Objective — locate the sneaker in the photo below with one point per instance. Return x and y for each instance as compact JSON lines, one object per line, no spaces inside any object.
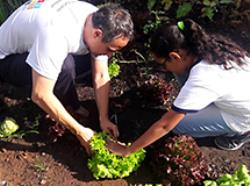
{"x":232,"y":142}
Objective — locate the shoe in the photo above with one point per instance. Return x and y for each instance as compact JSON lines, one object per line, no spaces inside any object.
{"x":232,"y":142}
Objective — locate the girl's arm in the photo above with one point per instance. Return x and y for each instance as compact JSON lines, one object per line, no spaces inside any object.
{"x":160,"y":128}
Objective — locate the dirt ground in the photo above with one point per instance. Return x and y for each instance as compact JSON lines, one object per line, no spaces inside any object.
{"x":39,"y":159}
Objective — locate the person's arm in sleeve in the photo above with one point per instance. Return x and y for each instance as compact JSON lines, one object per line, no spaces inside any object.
{"x":197,"y":93}
{"x":46,"y":59}
{"x":101,"y":86}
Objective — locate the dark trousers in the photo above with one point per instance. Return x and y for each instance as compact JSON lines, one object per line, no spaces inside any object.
{"x":76,"y":68}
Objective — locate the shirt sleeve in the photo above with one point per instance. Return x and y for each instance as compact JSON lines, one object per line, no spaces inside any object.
{"x":200,"y":90}
{"x":100,"y":58}
{"x":48,"y":53}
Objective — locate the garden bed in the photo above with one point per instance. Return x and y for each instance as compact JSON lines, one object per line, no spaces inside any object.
{"x":43,"y":159}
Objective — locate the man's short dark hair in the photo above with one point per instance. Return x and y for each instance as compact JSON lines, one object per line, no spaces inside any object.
{"x":114,"y":21}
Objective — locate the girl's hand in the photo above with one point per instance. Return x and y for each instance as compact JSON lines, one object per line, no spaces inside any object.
{"x":118,"y":148}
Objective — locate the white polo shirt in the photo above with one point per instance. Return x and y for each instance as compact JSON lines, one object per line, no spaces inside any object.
{"x":49,"y":30}
{"x":229,"y":90}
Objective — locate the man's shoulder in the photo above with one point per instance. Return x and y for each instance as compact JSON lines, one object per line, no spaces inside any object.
{"x":87,"y":5}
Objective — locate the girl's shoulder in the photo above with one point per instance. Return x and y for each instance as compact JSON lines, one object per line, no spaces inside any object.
{"x":209,"y":73}
{"x":205,"y":67}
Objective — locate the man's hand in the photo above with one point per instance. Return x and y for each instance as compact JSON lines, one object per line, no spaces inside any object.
{"x":118,"y":148}
{"x":43,"y":96}
{"x":84,"y":136}
{"x":110,"y":128}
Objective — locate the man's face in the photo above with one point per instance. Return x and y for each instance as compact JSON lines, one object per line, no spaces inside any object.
{"x":98,"y":47}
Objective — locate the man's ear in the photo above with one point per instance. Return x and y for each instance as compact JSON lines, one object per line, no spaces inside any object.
{"x":97,"y":33}
{"x":175,"y":56}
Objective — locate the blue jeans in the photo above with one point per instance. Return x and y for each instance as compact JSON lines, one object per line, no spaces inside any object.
{"x":204,"y":123}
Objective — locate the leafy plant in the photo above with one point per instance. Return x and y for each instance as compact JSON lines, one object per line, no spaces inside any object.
{"x":6,"y":7}
{"x":8,"y":127}
{"x":56,"y":130}
{"x":151,"y":4}
{"x":166,"y":4}
{"x":114,"y":68}
{"x":156,"y":92}
{"x":210,"y":7}
{"x":152,"y":24}
{"x":104,"y":164}
{"x":183,"y":10}
{"x":31,"y":127}
{"x":3,"y":12}
{"x":39,"y":166}
{"x":240,"y":177}
{"x":181,"y":161}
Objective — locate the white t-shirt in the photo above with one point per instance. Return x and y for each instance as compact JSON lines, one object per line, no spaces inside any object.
{"x":227,"y":89}
{"x":49,"y":30}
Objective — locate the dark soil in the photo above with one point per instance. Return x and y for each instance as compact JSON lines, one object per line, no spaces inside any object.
{"x":43,"y":159}
{"x":46,"y":159}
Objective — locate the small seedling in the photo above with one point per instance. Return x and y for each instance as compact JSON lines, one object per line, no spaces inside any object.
{"x":31,"y":127}
{"x":39,"y":166}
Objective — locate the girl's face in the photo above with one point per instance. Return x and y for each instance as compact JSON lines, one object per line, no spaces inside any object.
{"x":173,"y":63}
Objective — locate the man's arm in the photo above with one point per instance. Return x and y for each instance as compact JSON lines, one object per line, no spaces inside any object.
{"x":43,"y":96}
{"x":101,"y":86}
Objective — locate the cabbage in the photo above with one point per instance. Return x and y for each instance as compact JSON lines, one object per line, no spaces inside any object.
{"x":8,"y":127}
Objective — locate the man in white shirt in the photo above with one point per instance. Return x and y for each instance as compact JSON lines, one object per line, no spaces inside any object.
{"x":37,"y":48}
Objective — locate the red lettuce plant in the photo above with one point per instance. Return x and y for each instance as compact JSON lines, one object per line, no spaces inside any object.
{"x":157,"y":93}
{"x":181,"y":161}
{"x":56,"y":130}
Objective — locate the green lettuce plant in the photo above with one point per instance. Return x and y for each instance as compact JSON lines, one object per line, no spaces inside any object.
{"x":114,"y":68}
{"x":240,"y":177}
{"x":104,"y":164}
{"x":8,"y":127}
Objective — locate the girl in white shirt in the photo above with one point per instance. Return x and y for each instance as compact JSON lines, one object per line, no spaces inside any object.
{"x":214,"y":100}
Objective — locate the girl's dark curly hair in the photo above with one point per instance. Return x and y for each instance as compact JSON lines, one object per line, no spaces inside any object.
{"x":214,"y":48}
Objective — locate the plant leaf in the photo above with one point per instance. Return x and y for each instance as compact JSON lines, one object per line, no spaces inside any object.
{"x":183,"y":10}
